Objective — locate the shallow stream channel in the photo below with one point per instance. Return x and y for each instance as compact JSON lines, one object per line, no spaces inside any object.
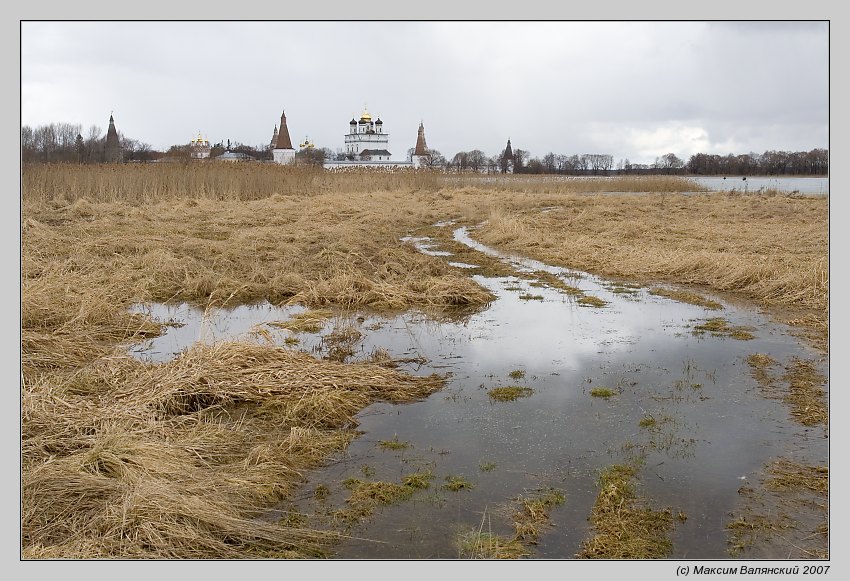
{"x":626,"y":379}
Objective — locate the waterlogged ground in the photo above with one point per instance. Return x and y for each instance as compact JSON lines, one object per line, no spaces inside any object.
{"x":713,"y":428}
{"x":802,"y":185}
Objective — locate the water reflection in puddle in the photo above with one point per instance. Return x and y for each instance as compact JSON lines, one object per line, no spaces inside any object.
{"x":714,"y":429}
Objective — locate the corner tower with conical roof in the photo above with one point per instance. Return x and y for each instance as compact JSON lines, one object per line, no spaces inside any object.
{"x":508,"y":159}
{"x":283,"y":151}
{"x":420,"y":152}
{"x":113,"y":146}
{"x":273,"y":142}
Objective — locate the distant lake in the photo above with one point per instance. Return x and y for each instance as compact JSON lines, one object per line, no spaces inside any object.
{"x":803,"y":185}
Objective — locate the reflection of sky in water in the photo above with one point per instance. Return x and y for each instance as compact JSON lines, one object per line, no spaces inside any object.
{"x":714,"y":424}
{"x":803,"y":185}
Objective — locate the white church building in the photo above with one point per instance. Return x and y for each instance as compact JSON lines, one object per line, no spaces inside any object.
{"x":365,"y":145}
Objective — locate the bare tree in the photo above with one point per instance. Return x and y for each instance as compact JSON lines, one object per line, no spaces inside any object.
{"x":476,"y":160}
{"x":459,"y":161}
{"x":582,"y":162}
{"x":520,"y":157}
{"x":669,"y":163}
{"x":28,"y":149}
{"x":435,"y":159}
{"x":94,"y":146}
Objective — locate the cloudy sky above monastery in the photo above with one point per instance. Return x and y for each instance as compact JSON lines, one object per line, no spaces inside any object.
{"x":634,"y":90}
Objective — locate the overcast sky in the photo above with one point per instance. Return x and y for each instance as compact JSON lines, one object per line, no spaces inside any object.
{"x":635,"y":90}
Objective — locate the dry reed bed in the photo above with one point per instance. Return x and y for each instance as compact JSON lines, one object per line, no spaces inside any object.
{"x":148,"y":183}
{"x":770,"y":248}
{"x":126,"y":459}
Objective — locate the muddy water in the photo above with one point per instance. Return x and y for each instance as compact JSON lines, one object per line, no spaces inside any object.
{"x":714,"y":429}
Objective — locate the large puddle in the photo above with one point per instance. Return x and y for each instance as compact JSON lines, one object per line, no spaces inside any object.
{"x":714,"y":428}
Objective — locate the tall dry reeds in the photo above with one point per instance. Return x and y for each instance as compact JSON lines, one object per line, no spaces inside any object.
{"x":144,"y":183}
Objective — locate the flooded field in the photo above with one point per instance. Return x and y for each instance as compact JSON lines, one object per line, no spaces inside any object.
{"x":601,"y":373}
{"x":801,"y":185}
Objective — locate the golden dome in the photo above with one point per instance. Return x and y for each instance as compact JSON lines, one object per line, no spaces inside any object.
{"x":365,"y":116}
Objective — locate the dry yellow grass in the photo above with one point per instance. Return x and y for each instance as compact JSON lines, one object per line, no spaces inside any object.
{"x":769,"y":248}
{"x":122,"y":459}
{"x":132,"y":460}
{"x":175,"y":460}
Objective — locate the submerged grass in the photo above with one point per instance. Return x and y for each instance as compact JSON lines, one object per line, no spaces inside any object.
{"x":372,"y":493}
{"x":393,"y":444}
{"x":800,"y":387}
{"x":624,"y":527}
{"x":311,"y":321}
{"x":603,"y":392}
{"x":763,"y":527}
{"x":456,"y":483}
{"x":761,"y":364}
{"x":591,"y":301}
{"x":531,"y":514}
{"x":806,"y":396}
{"x":479,"y":544}
{"x":530,"y":297}
{"x":509,"y":393}
{"x":720,"y":327}
{"x":686,"y":297}
{"x":788,"y":475}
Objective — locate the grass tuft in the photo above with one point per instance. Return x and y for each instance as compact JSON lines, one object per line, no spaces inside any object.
{"x":624,"y":527}
{"x":603,"y":392}
{"x":720,"y":327}
{"x":687,"y":297}
{"x":456,"y":483}
{"x":509,"y":393}
{"x":393,"y":444}
{"x":591,"y":301}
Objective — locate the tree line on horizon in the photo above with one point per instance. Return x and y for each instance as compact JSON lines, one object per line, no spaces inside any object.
{"x":814,"y":162}
{"x":65,"y":143}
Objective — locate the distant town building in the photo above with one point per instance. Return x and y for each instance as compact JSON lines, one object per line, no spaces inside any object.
{"x":283,"y":151}
{"x":113,"y":145}
{"x":199,"y":148}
